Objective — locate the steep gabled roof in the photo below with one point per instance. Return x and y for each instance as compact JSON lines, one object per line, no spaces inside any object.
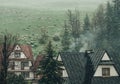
{"x":96,"y":57}
{"x":106,"y":80}
{"x":75,"y":64}
{"x":37,"y":62}
{"x":27,"y":50}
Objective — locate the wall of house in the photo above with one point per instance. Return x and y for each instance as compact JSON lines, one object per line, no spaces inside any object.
{"x":17,"y":65}
{"x":113,"y":71}
{"x":59,"y":58}
{"x":64,"y":72}
{"x":31,"y":75}
{"x":13,"y":56}
{"x":29,"y":65}
{"x":17,"y":73}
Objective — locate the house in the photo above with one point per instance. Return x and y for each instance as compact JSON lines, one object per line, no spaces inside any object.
{"x":91,"y":67}
{"x":21,"y":61}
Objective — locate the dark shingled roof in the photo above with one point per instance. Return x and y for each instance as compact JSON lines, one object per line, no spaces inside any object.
{"x":76,"y":64}
{"x":96,"y":57}
{"x":106,"y":80}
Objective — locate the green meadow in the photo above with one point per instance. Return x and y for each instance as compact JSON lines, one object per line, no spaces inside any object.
{"x":29,"y":21}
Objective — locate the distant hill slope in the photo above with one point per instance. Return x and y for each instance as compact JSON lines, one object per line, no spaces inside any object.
{"x":28,"y":17}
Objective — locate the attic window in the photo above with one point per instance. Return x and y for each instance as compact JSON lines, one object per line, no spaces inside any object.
{"x":105,"y":72}
{"x":17,"y":54}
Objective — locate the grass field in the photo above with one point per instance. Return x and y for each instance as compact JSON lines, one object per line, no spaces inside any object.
{"x":28,"y":22}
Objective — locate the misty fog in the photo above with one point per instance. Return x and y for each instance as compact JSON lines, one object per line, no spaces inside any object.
{"x":53,"y":4}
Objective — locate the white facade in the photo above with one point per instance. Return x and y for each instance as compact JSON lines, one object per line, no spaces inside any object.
{"x":105,"y":57}
{"x":59,"y":58}
{"x":20,"y":64}
{"x":64,"y":72}
{"x":31,"y":75}
{"x":113,"y":71}
{"x":12,"y":55}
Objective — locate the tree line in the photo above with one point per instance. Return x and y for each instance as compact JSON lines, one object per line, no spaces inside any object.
{"x":99,"y":31}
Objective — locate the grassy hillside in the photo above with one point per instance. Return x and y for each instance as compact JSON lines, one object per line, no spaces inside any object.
{"x":27,"y":19}
{"x":28,"y":24}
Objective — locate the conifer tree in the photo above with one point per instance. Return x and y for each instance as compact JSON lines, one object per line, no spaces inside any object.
{"x":75,"y":25}
{"x":50,"y":68}
{"x":86,"y":26}
{"x":108,"y":33}
{"x":116,"y":26}
{"x":99,"y":26}
{"x":66,"y":38}
{"x":8,"y":42}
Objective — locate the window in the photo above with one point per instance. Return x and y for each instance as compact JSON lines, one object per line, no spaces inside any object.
{"x":17,"y":54}
{"x":106,"y":72}
{"x":26,"y":64}
{"x":25,"y":74}
{"x":11,"y":65}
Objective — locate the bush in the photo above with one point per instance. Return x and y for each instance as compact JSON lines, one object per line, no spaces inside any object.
{"x":56,"y":38}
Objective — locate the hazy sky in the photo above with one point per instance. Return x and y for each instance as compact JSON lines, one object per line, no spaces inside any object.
{"x":53,"y":4}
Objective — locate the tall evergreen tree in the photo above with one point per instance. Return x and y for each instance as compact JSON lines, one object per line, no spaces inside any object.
{"x":66,"y":38}
{"x":74,"y":22}
{"x":50,"y":68}
{"x":7,"y":45}
{"x":75,"y":25}
{"x":108,"y":33}
{"x":99,"y":26}
{"x":116,"y":25}
{"x":86,"y":26}
{"x":116,"y":19}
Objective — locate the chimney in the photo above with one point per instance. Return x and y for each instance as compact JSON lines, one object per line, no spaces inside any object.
{"x":89,"y":51}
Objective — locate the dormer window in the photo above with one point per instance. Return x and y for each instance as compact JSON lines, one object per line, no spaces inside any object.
{"x":17,"y":54}
{"x":105,"y":72}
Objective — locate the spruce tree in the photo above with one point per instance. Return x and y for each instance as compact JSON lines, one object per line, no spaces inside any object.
{"x":65,"y":38}
{"x":99,"y":27}
{"x":108,"y":33}
{"x":86,"y":26}
{"x":75,"y":25}
{"x":116,"y":25}
{"x":116,"y":19}
{"x":8,"y":43}
{"x":50,"y":68}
